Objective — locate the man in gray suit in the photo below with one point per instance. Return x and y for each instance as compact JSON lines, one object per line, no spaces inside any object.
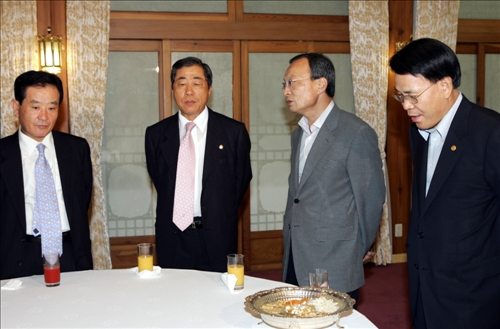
{"x":336,"y":185}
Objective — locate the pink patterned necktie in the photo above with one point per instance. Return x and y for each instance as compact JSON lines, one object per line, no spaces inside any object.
{"x":46,"y":219}
{"x":184,"y":182}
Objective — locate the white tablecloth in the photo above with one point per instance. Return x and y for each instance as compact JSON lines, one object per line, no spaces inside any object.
{"x":119,"y":299}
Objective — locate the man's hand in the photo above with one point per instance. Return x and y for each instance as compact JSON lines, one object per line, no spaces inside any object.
{"x":369,"y":255}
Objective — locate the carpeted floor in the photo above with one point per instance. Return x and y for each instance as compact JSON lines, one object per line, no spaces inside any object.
{"x":383,"y":299}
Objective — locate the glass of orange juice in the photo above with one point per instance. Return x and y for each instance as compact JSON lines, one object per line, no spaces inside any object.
{"x":145,"y":256}
{"x":235,"y":266}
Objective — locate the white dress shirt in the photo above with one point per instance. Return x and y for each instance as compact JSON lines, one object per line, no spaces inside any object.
{"x":199,"y":135}
{"x":309,"y":136}
{"x":29,"y":154}
{"x":437,"y":137}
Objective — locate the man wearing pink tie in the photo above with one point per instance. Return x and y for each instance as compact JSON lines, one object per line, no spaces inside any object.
{"x":199,"y":162}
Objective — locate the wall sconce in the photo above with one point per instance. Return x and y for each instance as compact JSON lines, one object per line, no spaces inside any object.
{"x":50,"y":52}
{"x":401,"y":45}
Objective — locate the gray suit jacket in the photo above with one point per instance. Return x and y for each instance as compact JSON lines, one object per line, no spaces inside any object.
{"x":333,"y":213}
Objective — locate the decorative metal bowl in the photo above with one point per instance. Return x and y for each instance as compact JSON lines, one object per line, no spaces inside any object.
{"x":257,"y":300}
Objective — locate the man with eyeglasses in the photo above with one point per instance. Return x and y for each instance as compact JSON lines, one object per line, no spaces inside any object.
{"x":454,"y":232}
{"x":336,"y":185}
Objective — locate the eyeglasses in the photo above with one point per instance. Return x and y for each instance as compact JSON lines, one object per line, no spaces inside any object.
{"x":289,"y":83}
{"x":410,"y":98}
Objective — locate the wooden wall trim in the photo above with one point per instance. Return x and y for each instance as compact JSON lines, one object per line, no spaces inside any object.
{"x":159,"y":16}
{"x":53,"y":14}
{"x":296,"y":18}
{"x":478,"y":31}
{"x":266,"y":250}
{"x":228,"y":30}
{"x":481,"y":75}
{"x":398,"y":146}
{"x":124,"y":250}
{"x":166,"y":93}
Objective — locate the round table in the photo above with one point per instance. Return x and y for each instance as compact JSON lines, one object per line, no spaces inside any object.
{"x":121,"y":299}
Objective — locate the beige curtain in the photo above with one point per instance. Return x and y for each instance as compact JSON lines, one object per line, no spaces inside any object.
{"x":19,"y":53}
{"x":369,"y":40}
{"x":437,"y":19}
{"x":87,"y":44}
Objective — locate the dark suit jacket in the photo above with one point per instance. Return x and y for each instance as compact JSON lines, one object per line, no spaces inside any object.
{"x":333,"y":214}
{"x":454,"y":235}
{"x":226,"y":175}
{"x":75,"y":168}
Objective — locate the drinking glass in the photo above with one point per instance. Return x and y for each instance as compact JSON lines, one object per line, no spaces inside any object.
{"x":235,"y":266}
{"x":318,"y":278}
{"x":51,"y":270}
{"x":145,"y":257}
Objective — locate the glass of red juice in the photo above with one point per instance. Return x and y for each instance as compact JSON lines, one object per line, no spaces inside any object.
{"x":51,"y":270}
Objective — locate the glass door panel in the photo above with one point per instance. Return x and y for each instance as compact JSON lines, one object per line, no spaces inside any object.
{"x":132,"y":104}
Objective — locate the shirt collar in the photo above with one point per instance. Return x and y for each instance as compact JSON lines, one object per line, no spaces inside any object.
{"x":201,"y":121}
{"x":304,"y":124}
{"x":444,"y":125}
{"x":29,"y":144}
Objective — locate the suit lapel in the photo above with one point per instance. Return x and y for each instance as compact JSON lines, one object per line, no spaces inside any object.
{"x":64,"y":159}
{"x":214,"y":141}
{"x":451,"y":152}
{"x":323,"y":142}
{"x":420,"y":167}
{"x":171,"y":143}
{"x":295,"y":158}
{"x":11,"y":161}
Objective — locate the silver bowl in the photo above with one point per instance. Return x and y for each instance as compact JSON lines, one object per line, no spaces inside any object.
{"x":257,"y":300}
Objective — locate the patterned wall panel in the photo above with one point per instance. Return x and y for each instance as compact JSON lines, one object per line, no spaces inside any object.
{"x":172,"y":6}
{"x":297,"y":7}
{"x":492,"y":82}
{"x":131,"y":106}
{"x":468,"y":65}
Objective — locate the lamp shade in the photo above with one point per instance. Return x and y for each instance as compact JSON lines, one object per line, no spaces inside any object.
{"x":50,"y":52}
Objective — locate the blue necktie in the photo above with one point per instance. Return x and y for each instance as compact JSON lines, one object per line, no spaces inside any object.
{"x":46,"y":219}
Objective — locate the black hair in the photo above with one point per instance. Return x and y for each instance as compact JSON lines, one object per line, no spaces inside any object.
{"x":429,"y":58}
{"x":36,"y":79}
{"x":321,"y":67}
{"x":191,"y":61}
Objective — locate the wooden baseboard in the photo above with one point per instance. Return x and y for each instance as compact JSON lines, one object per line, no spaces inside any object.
{"x":124,"y":250}
{"x":399,"y":258}
{"x":266,"y":251}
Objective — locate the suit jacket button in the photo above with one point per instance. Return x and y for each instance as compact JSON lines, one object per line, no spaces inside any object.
{"x":421,"y":235}
{"x":296,"y":201}
{"x":416,"y":266}
{"x":20,"y":264}
{"x":289,"y":226}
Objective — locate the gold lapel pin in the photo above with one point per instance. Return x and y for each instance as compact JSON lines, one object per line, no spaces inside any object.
{"x":453,"y":148}
{"x":221,"y":147}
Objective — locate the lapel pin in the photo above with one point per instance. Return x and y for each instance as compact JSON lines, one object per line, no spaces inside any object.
{"x":221,"y":147}
{"x":453,"y":148}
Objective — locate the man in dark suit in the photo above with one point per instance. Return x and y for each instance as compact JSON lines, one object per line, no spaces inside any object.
{"x":336,"y":185}
{"x":36,"y":105}
{"x":221,"y":178}
{"x":454,"y":232}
